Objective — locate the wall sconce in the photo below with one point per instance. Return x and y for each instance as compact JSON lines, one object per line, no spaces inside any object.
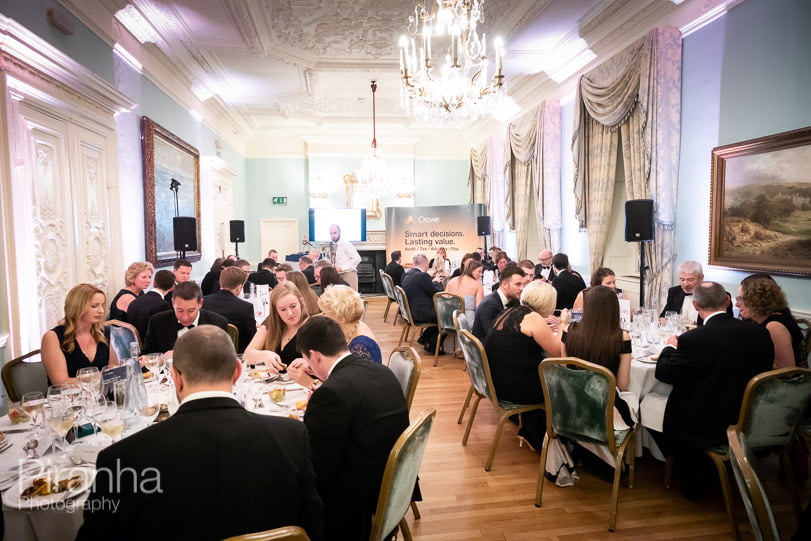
{"x":407,"y":189}
{"x":317,"y":189}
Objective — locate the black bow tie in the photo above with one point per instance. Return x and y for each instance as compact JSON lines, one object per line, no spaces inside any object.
{"x":545,"y":268}
{"x":181,"y":326}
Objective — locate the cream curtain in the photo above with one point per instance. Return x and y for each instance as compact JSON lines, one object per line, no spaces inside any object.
{"x":495,"y":171}
{"x":547,"y":195}
{"x":636,"y":94}
{"x":477,"y":179}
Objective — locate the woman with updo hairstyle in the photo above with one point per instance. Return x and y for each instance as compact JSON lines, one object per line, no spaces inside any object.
{"x":307,"y":293}
{"x":137,"y":278}
{"x":601,"y":277}
{"x":761,"y":300}
{"x":80,"y":340}
{"x":274,"y":343}
{"x":344,"y":305}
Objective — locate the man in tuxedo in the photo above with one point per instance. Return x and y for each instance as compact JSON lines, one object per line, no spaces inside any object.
{"x":227,"y":303}
{"x":394,"y":268}
{"x":508,"y":294}
{"x":680,"y":297}
{"x":544,"y":269}
{"x":265,"y":275}
{"x":353,"y":419}
{"x":212,"y":470}
{"x":709,"y":368}
{"x":566,"y":282}
{"x":182,"y":273}
{"x":152,"y":302}
{"x":166,"y":327}
{"x":419,"y":288}
{"x":305,"y":265}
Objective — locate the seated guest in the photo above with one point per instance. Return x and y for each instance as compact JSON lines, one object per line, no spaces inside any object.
{"x":507,"y":294}
{"x":152,"y":302}
{"x":515,"y":346}
{"x":440,"y":252}
{"x":344,"y":305}
{"x":469,"y":287}
{"x":544,"y":270}
{"x":265,"y":274}
{"x":317,"y":268}
{"x":761,"y":300}
{"x":274,"y":343}
{"x":80,"y":340}
{"x":213,"y":481}
{"x":461,"y":267}
{"x":500,"y":261}
{"x":227,"y":303}
{"x":601,"y":277}
{"x":353,"y":419}
{"x":680,"y":297}
{"x":136,"y":279}
{"x":329,"y":276}
{"x":314,"y":254}
{"x":212,"y":276}
{"x":394,"y":268}
{"x":307,"y":293}
{"x":439,"y":269}
{"x":164,"y":328}
{"x":305,"y":265}
{"x":709,"y":367}
{"x":281,"y":272}
{"x":243,"y":265}
{"x":419,"y":288}
{"x":228,"y":262}
{"x":567,"y":282}
{"x":529,"y":269}
{"x":182,"y":273}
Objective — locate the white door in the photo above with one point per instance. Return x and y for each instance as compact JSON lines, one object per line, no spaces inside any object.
{"x":280,"y":235}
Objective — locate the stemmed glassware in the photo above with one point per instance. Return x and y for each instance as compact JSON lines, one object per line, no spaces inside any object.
{"x":61,"y":417}
{"x":154,"y":363}
{"x":89,"y":378}
{"x":32,"y":404}
{"x":112,"y":421}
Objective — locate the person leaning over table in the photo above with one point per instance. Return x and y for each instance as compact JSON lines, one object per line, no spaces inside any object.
{"x":81,"y":339}
{"x":274,"y":343}
{"x":137,"y":278}
{"x":212,"y":470}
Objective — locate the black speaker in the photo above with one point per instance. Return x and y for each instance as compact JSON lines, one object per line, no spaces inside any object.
{"x":185,"y":229}
{"x":237,"y":231}
{"x":639,"y":220}
{"x":483,"y":225}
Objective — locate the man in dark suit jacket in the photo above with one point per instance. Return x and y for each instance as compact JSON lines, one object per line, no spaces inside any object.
{"x":152,"y":302}
{"x":419,"y":288}
{"x":212,"y":470}
{"x":507,"y":294}
{"x":394,"y":268}
{"x":544,"y":269}
{"x":709,"y":368}
{"x":305,"y":265}
{"x":265,"y":275}
{"x":690,"y":275}
{"x":227,"y":303}
{"x":353,"y":419}
{"x":567,"y":282}
{"x":166,"y":327}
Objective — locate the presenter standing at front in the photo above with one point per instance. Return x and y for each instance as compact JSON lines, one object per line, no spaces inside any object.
{"x":344,"y":257}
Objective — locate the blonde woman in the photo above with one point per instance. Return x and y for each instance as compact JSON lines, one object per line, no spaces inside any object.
{"x":137,"y":278}
{"x":274,"y":343}
{"x":80,"y":340}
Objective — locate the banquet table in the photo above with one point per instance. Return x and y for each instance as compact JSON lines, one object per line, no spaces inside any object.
{"x":650,"y":397}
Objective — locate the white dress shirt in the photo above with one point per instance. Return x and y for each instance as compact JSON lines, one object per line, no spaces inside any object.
{"x":346,"y":256}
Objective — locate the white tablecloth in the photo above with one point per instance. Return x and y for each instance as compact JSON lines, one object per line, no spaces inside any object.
{"x":651,"y":395}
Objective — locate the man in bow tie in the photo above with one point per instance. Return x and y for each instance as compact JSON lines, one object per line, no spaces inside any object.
{"x":543,"y":269}
{"x":166,"y":327}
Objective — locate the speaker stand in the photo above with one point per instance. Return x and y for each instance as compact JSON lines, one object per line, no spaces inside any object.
{"x":642,"y":269}
{"x":236,"y":250}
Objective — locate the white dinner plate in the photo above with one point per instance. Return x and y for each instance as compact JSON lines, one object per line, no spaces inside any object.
{"x":653,"y":359}
{"x":13,"y":496}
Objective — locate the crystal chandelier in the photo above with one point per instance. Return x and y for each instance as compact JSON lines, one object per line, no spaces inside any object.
{"x":460,"y":86}
{"x":373,"y":169}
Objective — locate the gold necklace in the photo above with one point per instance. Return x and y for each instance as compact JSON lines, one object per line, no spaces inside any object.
{"x":354,"y":330}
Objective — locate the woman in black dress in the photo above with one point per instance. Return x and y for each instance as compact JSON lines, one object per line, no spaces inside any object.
{"x":275,"y":340}
{"x":136,"y":280}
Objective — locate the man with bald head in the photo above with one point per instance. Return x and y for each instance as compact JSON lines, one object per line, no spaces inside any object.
{"x":419,"y":288}
{"x":544,"y":269}
{"x":205,"y":472}
{"x":344,"y":257}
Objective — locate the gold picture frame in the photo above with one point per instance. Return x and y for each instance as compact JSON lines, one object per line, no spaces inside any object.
{"x":171,"y":187}
{"x":760,"y":212}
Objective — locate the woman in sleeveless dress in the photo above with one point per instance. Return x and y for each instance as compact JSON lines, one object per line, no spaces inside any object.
{"x":469,"y":286}
{"x":274,"y":343}
{"x":136,"y":279}
{"x":80,"y":340}
{"x":601,"y":277}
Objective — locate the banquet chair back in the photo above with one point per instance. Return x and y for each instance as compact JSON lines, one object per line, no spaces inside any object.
{"x":388,"y":289}
{"x":579,"y":399}
{"x":122,"y":334}
{"x":399,"y":478}
{"x":755,"y":500}
{"x":461,"y":322}
{"x":445,"y":305}
{"x":233,"y":333}
{"x":805,"y":351}
{"x":285,"y":533}
{"x":405,"y":312}
{"x":24,"y":374}
{"x":406,"y":364}
{"x":478,"y":369}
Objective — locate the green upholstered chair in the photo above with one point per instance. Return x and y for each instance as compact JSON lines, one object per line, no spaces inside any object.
{"x":761,"y":518}
{"x":399,"y":477}
{"x":122,"y":334}
{"x":445,"y":304}
{"x":24,"y":374}
{"x":478,"y":369}
{"x":579,"y":399}
{"x":405,"y":313}
{"x":461,"y":322}
{"x":285,"y":533}
{"x":388,"y":288}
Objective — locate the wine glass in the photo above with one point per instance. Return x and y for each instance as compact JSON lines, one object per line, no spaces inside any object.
{"x":152,"y":406}
{"x":32,"y":404}
{"x":112,"y":421}
{"x":61,"y":417}
{"x":89,"y":378}
{"x":154,"y":362}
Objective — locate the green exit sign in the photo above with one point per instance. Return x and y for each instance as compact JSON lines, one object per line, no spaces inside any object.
{"x":279,"y":200}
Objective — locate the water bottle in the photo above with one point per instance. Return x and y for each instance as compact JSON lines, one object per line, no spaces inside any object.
{"x":134,"y":350}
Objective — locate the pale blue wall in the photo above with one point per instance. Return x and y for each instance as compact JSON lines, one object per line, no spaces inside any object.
{"x":440,"y":182}
{"x":744,"y":76}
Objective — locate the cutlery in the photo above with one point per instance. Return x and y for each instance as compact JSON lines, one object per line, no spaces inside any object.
{"x":17,"y":430}
{"x":5,"y":446}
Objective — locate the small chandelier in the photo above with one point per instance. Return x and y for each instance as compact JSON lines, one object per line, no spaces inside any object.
{"x":460,"y":86}
{"x":373,"y":168}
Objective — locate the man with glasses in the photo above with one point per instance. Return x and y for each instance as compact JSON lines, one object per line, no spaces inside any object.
{"x":544,"y":269}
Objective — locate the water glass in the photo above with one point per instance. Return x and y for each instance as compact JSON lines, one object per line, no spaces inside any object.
{"x":112,"y":421}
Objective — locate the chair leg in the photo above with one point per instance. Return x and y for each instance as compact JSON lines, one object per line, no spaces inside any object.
{"x":415,"y":510}
{"x":542,"y":471}
{"x":439,"y":338}
{"x":496,"y":439}
{"x":403,"y":334}
{"x":615,"y":490}
{"x":631,"y":459}
{"x":465,"y":405}
{"x":473,"y":409}
{"x":785,"y":462}
{"x":723,"y":476}
{"x":668,"y":472}
{"x":404,"y":528}
{"x":386,"y":313}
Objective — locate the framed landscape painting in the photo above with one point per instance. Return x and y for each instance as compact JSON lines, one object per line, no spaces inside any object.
{"x":761,"y":204}
{"x":171,"y":188}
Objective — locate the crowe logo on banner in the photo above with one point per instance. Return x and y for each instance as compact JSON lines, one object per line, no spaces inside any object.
{"x":414,"y":230}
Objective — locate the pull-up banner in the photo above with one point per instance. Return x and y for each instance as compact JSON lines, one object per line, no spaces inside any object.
{"x":414,"y":230}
